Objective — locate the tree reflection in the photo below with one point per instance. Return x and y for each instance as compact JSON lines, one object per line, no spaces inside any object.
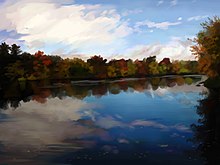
{"x":12,"y":93}
{"x":207,"y":131}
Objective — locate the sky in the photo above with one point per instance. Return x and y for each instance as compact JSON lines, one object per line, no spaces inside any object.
{"x":117,"y":29}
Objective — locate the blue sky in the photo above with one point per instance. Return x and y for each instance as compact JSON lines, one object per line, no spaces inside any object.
{"x":112,"y":28}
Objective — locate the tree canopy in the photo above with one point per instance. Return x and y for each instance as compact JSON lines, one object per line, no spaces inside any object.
{"x":207,"y":47}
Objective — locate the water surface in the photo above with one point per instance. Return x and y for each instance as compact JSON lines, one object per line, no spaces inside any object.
{"x":145,"y":121}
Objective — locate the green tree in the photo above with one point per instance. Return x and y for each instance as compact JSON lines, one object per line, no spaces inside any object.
{"x":27,"y":63}
{"x":183,"y":67}
{"x":79,"y":68}
{"x":165,"y":66}
{"x":15,"y":70}
{"x":153,"y":68}
{"x":111,"y":71}
{"x":5,"y":59}
{"x":62,"y":69}
{"x":15,"y":50}
{"x":4,"y":49}
{"x":147,"y":61}
{"x":131,"y":68}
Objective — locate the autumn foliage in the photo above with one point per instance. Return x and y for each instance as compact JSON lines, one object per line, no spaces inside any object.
{"x":207,"y":48}
{"x":40,"y":66}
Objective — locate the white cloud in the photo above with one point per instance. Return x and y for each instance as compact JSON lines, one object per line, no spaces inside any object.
{"x":57,"y":26}
{"x":129,"y":12}
{"x":197,"y":18}
{"x":160,"y":2}
{"x":159,"y":25}
{"x":180,"y":18}
{"x":175,"y":49}
{"x":173,"y":2}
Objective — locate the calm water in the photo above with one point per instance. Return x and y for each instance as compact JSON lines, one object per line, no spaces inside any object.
{"x":138,"y":121}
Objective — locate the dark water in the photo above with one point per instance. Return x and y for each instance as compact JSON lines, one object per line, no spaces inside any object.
{"x":130,"y":121}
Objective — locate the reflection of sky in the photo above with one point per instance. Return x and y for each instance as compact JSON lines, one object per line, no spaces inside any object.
{"x":159,"y":119}
{"x":176,"y":104}
{"x":41,"y":124}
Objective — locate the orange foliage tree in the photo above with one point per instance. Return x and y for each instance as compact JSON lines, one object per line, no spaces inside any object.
{"x":207,"y":48}
{"x":41,"y":65}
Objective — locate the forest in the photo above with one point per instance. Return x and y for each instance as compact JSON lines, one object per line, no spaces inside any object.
{"x":15,"y":64}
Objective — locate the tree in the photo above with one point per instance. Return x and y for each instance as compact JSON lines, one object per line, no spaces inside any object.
{"x":27,"y":62}
{"x":192,"y":66}
{"x":15,"y":50}
{"x":119,"y":67}
{"x":15,"y":70}
{"x":111,"y":72}
{"x":148,"y":63}
{"x":165,"y":66}
{"x":79,"y":68}
{"x":62,"y":69}
{"x":183,"y":67}
{"x":207,"y":47}
{"x":41,"y":65}
{"x":5,"y":59}
{"x":141,"y":68}
{"x":54,"y":67}
{"x":99,"y":66}
{"x":175,"y":67}
{"x":131,"y":68}
{"x":4,"y":49}
{"x":122,"y":67}
{"x":153,"y":68}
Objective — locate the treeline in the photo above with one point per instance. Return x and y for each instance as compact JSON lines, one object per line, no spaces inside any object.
{"x":15,"y":64}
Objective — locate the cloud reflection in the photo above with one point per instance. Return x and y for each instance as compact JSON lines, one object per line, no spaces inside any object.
{"x":109,"y":122}
{"x":184,"y":94}
{"x":147,"y":123}
{"x":34,"y":124}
